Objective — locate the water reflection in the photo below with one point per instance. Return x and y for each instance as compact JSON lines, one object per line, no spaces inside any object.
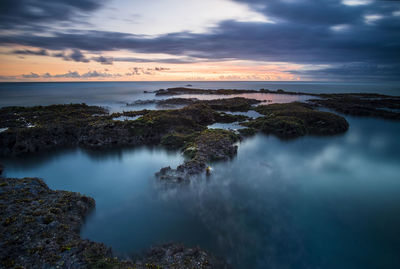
{"x":251,"y":113}
{"x":268,"y":98}
{"x":124,"y":118}
{"x":313,"y":202}
{"x":226,"y":126}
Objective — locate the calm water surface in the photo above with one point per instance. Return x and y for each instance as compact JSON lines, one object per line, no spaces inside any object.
{"x":115,"y":95}
{"x":312,"y":202}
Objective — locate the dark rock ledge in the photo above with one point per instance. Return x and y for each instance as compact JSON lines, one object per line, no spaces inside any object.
{"x":209,"y":145}
{"x":182,"y":129}
{"x":39,"y":228}
{"x":295,"y":119}
{"x":356,"y":104}
{"x":41,"y":128}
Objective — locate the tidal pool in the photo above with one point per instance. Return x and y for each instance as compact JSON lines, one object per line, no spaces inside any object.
{"x":312,"y":202}
{"x":267,"y":98}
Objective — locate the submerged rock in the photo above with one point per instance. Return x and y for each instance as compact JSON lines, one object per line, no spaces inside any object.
{"x":142,"y":102}
{"x":178,"y":256}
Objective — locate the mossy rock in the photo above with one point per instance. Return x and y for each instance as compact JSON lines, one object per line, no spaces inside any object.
{"x":282,"y":126}
{"x":296,"y":119}
{"x":176,"y":140}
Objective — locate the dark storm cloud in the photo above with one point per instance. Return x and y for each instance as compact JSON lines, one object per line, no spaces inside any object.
{"x":322,"y":12}
{"x":29,"y":13}
{"x":304,"y":32}
{"x":287,"y":42}
{"x":354,"y":72}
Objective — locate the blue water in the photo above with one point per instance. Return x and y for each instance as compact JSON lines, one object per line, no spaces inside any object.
{"x":312,"y":202}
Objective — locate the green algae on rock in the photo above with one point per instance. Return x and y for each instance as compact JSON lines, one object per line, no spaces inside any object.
{"x":39,"y":227}
{"x":209,"y":145}
{"x":296,"y":119}
{"x":89,"y":126}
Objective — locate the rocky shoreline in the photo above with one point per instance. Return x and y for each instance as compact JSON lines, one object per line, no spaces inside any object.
{"x":36,"y":129}
{"x":356,"y":104}
{"x":40,"y":229}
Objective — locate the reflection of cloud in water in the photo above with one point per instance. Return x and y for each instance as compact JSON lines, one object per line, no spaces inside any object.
{"x":278,"y":203}
{"x":328,"y":156}
{"x":241,"y":213}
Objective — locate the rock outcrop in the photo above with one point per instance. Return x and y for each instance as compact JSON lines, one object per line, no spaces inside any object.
{"x":39,"y":228}
{"x":296,"y":119}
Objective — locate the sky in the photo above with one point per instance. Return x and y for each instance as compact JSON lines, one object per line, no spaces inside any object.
{"x":194,"y":40}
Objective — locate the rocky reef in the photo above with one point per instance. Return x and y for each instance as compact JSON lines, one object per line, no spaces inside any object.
{"x":40,"y":229}
{"x":294,"y":120}
{"x":183,"y":90}
{"x":356,"y":104}
{"x":34,"y":129}
{"x":41,"y":128}
{"x":366,"y":105}
{"x":207,"y":146}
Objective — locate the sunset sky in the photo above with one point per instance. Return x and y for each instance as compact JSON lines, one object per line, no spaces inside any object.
{"x":161,"y":40}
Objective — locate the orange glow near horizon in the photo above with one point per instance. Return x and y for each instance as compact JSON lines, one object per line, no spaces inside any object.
{"x":16,"y":67}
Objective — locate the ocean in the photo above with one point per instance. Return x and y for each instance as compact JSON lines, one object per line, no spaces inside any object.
{"x":312,"y":202}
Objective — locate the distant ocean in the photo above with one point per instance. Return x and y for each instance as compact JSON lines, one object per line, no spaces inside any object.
{"x":109,"y":93}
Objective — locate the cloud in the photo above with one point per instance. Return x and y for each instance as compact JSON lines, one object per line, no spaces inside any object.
{"x":280,"y":42}
{"x":354,"y":72}
{"x":96,"y":74}
{"x":103,"y":60}
{"x":305,"y":32}
{"x":161,"y":69}
{"x":74,"y":74}
{"x":41,"y":52}
{"x":157,"y":60}
{"x":70,"y":74}
{"x":31,"y":75}
{"x":77,"y":56}
{"x":137,"y":71}
{"x":31,"y":13}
